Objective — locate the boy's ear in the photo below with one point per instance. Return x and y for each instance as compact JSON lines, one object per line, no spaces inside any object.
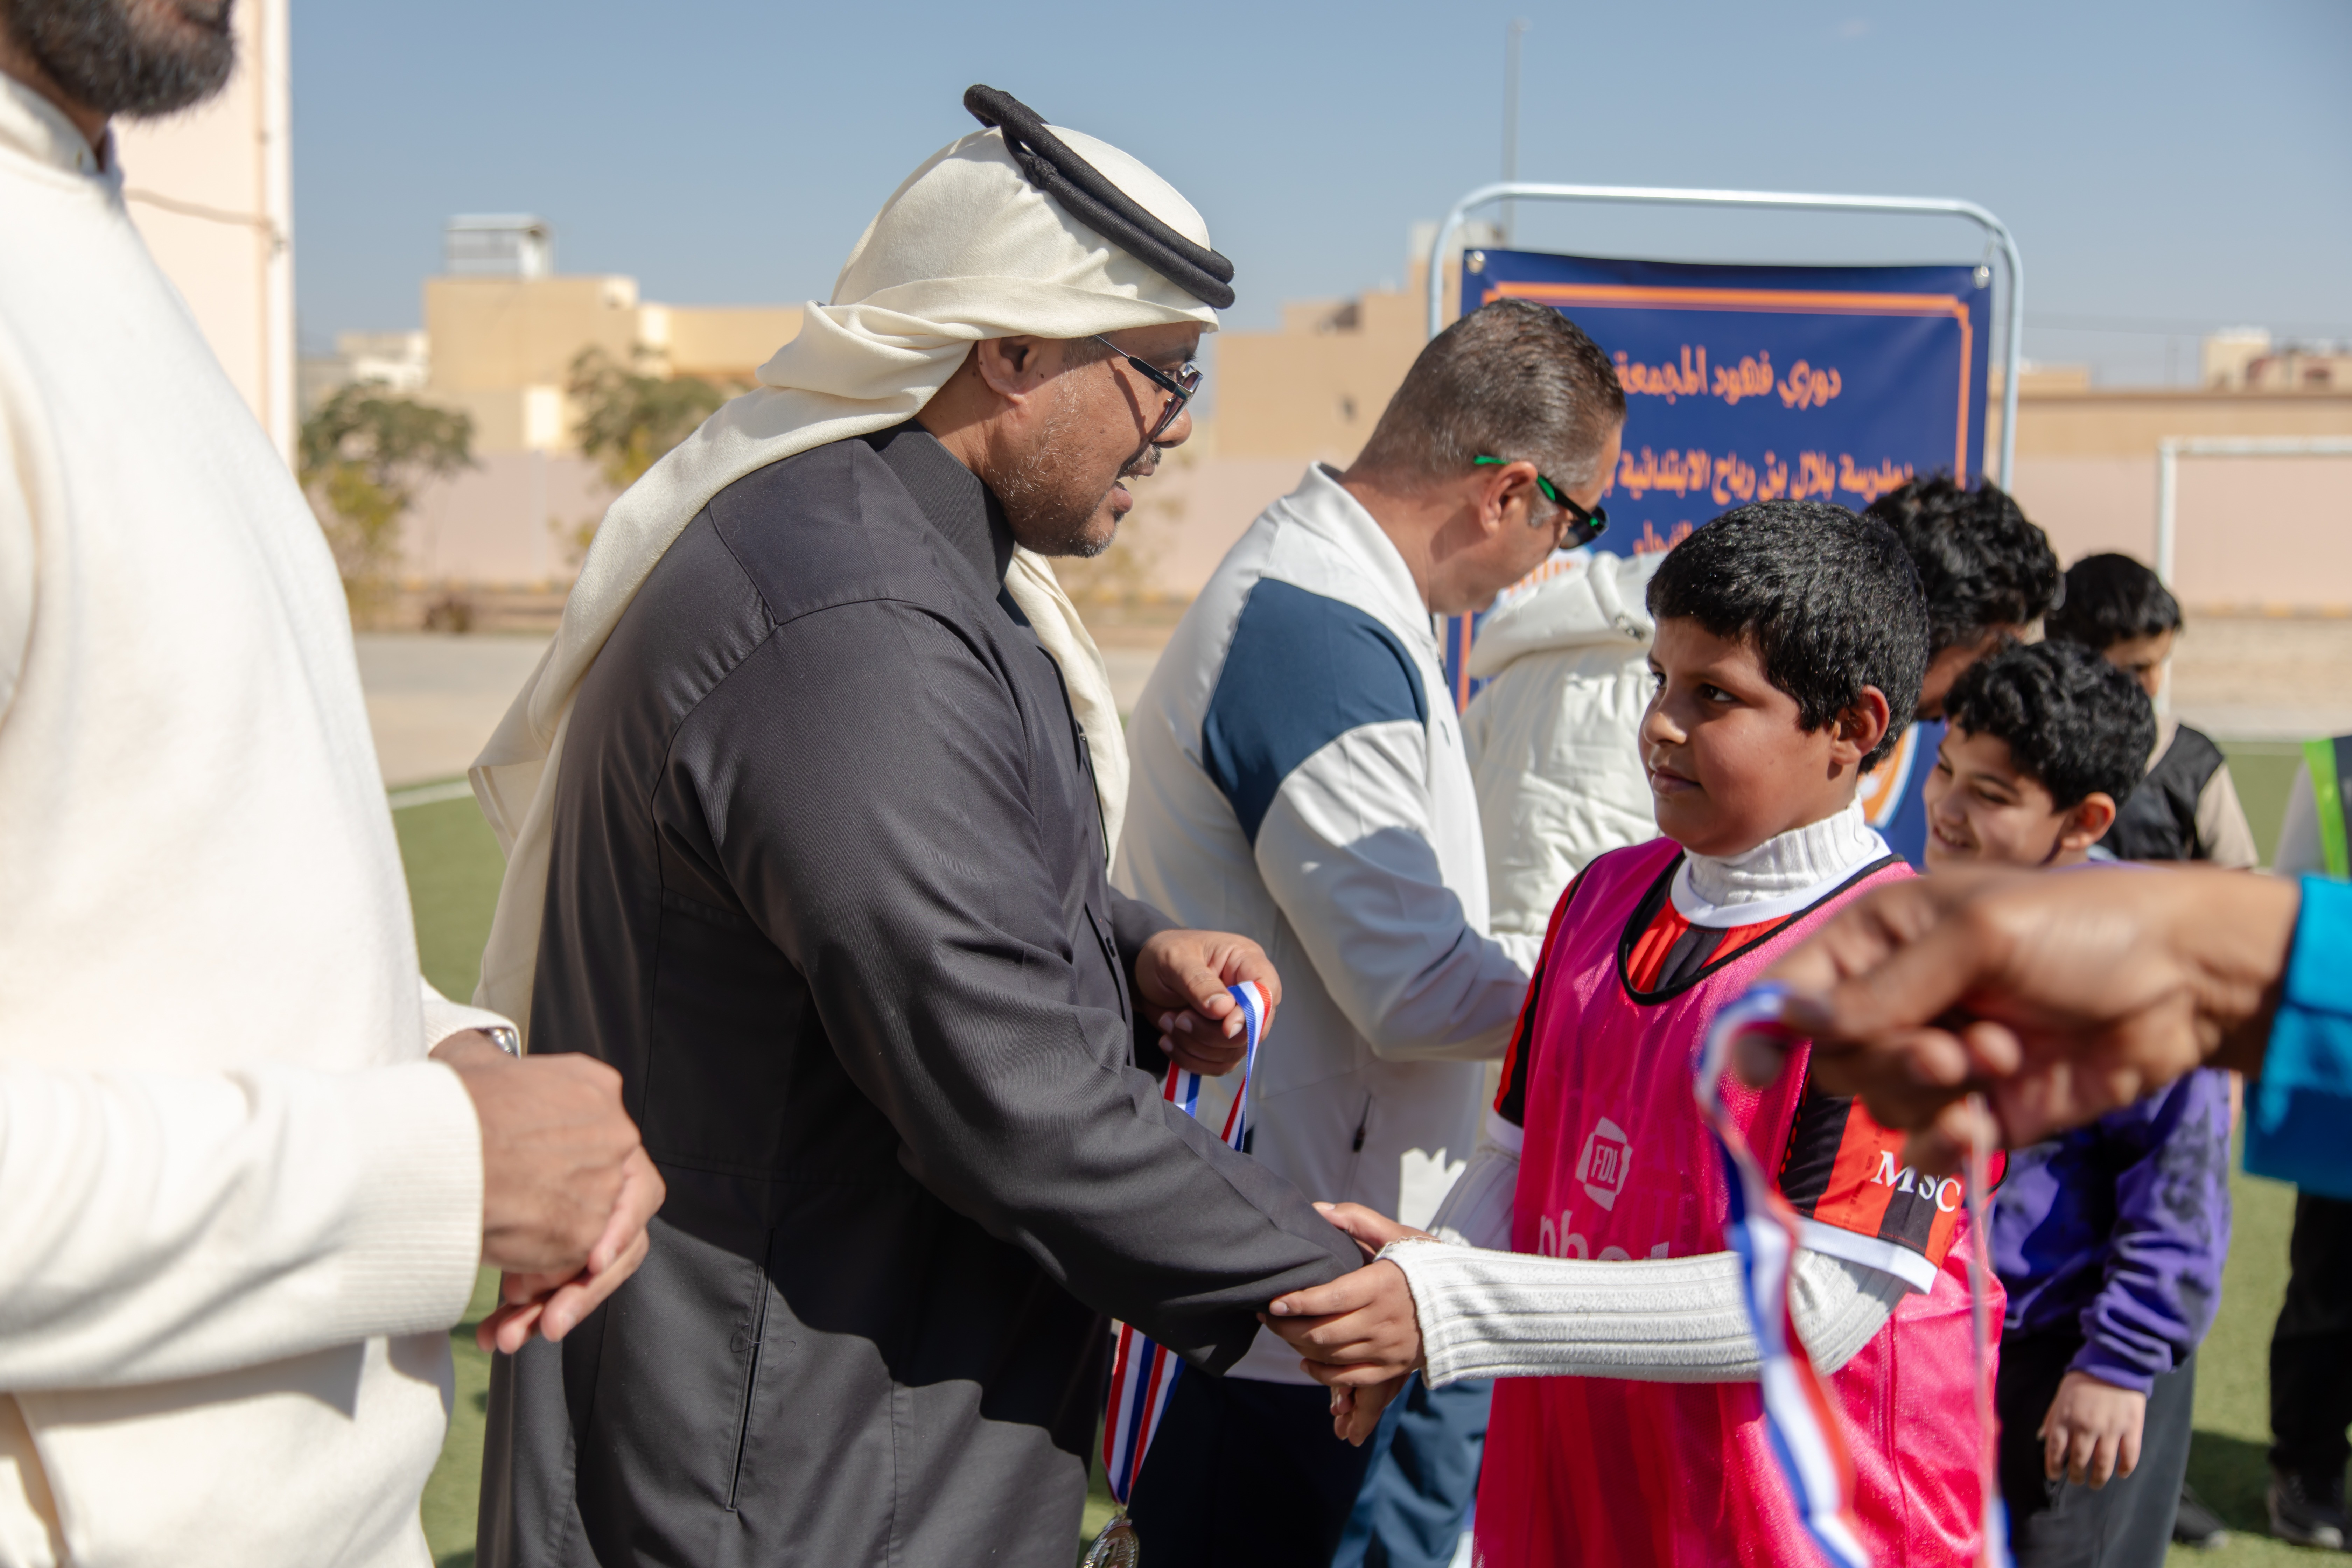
{"x":1862,"y":725}
{"x":2088,"y":822}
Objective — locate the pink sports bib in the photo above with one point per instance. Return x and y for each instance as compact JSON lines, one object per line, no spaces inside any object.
{"x":1619,"y":1164}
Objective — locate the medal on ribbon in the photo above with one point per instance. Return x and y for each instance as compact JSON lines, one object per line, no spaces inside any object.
{"x":1761,"y":1229}
{"x":1142,"y":1374}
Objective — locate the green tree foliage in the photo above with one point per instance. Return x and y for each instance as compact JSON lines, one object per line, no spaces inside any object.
{"x":628,"y":418}
{"x":365,"y":456}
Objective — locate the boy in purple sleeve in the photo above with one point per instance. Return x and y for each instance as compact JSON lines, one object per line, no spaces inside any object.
{"x":2109,"y":1239}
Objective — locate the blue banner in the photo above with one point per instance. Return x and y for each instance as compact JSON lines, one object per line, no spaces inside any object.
{"x":1746,"y":384}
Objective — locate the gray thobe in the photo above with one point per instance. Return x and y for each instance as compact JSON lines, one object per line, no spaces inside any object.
{"x":827,"y":889}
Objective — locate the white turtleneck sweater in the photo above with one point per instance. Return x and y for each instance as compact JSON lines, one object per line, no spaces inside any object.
{"x":1486,"y":1312}
{"x":239,"y":1208}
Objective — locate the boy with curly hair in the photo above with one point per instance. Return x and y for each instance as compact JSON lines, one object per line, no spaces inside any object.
{"x":2110,"y":1239}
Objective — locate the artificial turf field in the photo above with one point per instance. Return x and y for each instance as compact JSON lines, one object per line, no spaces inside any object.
{"x":452,"y":877}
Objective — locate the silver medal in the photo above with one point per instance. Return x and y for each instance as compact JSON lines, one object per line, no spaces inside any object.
{"x":1116,"y":1547}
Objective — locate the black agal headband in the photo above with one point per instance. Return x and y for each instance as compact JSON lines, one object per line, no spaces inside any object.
{"x":1095,"y":201}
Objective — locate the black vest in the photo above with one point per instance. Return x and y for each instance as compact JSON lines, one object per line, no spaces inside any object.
{"x":2158,"y":822}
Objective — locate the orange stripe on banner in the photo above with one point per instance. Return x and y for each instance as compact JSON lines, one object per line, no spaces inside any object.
{"x":1770,"y":302}
{"x":1801,"y":301}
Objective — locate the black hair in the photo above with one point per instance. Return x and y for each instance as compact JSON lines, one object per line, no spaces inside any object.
{"x":2071,"y":720}
{"x":1829,"y":601}
{"x":1981,"y":564}
{"x":2110,"y":599}
{"x":1513,"y":379}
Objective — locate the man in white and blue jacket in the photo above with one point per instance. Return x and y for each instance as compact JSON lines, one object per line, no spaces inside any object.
{"x":1298,"y":773}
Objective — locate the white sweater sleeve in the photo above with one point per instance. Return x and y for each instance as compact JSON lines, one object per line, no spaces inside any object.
{"x":1667,"y":1320}
{"x":1477,"y":1208}
{"x":1346,"y":849}
{"x":444,"y":1017}
{"x":156,"y":1227}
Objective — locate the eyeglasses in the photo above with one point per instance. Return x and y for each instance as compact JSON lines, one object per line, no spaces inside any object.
{"x":1179,"y":387}
{"x":1584,"y":525}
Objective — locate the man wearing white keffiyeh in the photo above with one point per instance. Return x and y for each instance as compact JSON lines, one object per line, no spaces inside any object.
{"x":807,"y":813}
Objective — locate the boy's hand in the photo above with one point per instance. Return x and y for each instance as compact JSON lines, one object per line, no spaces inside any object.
{"x":1356,"y":1412}
{"x":1371,"y":1228}
{"x":1358,"y":1331}
{"x":2092,"y":1431}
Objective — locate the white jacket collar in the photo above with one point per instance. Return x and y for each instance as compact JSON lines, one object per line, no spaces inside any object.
{"x":32,"y":126}
{"x":1585,"y":603}
{"x":1779,"y":877}
{"x":1323,"y":506}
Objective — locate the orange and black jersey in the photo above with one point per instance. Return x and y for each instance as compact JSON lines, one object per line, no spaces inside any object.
{"x":1839,"y":1169}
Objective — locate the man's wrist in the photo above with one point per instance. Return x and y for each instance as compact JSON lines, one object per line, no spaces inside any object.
{"x":469,"y":1049}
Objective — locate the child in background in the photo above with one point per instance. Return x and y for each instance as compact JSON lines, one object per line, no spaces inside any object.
{"x":1989,"y":575}
{"x":2110,"y":1239}
{"x":1790,"y":640}
{"x":2186,"y":807}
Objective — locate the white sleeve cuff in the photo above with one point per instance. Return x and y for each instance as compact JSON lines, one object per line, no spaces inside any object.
{"x":1510,"y":1134}
{"x":1478,"y":1209}
{"x":1912,"y":1268}
{"x":444,"y":1017}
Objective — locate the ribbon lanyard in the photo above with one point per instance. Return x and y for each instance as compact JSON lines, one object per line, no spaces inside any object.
{"x":1761,"y":1228}
{"x":1142,"y":1374}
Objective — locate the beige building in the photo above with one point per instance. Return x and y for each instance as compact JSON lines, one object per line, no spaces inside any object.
{"x":2244,"y":359}
{"x":502,"y":329}
{"x":212,"y":191}
{"x":2269,"y":532}
{"x":2272,"y":533}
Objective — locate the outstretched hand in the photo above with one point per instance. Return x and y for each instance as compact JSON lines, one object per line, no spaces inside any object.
{"x":1185,"y":974}
{"x":1358,"y":1331}
{"x":2060,"y":997}
{"x":1359,"y":1334}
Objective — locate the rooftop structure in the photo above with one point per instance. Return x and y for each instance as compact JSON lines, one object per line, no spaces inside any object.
{"x":497,"y":245}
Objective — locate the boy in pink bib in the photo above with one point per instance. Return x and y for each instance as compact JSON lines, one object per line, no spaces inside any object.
{"x":1582,"y":1257}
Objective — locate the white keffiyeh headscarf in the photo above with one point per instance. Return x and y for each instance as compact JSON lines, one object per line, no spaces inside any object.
{"x":966,"y":249}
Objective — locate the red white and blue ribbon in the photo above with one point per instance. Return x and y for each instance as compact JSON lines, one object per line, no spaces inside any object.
{"x":1761,"y":1228}
{"x":1980,"y":1174}
{"x":1142,"y":1374}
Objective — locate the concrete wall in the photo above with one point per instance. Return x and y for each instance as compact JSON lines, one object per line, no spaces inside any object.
{"x":506,"y":522}
{"x":2270,"y":533}
{"x":212,"y":191}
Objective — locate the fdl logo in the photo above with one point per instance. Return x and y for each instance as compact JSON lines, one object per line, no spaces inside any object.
{"x":1601,"y":1167}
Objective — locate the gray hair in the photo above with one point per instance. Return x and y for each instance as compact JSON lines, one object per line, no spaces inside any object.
{"x":1513,"y":379}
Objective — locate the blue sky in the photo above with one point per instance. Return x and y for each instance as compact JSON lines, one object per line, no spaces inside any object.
{"x":2164,"y":164}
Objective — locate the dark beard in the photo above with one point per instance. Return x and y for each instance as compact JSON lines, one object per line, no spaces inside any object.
{"x":135,"y":57}
{"x":1043,"y":513}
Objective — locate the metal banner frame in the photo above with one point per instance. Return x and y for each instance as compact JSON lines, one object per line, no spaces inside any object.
{"x":2013,"y":345}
